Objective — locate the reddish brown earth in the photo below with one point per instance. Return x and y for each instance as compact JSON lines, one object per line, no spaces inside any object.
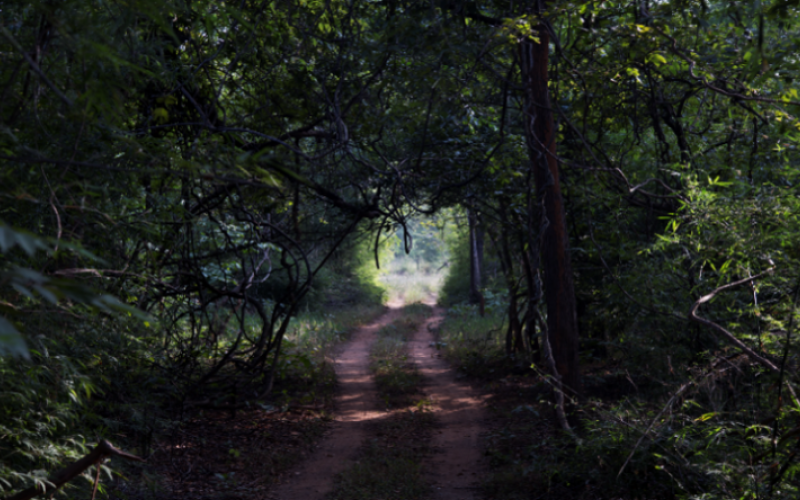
{"x":456,"y":465}
{"x":357,"y":404}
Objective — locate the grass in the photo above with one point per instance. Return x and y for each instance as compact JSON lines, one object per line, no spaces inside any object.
{"x":318,"y":330}
{"x":476,"y":345}
{"x":397,"y":377}
{"x":305,"y":376}
{"x":389,"y":466}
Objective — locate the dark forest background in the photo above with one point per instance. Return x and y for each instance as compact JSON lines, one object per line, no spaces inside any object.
{"x":194,"y":196}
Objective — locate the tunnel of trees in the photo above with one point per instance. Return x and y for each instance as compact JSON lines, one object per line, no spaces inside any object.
{"x":181,"y":179}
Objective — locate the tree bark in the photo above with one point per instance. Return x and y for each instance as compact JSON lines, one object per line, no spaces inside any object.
{"x":475,"y":258}
{"x":558,"y":280}
{"x":514,"y":340}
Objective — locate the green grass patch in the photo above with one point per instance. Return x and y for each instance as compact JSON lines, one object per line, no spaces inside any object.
{"x":397,"y":377}
{"x":476,"y":344}
{"x":390,"y":466}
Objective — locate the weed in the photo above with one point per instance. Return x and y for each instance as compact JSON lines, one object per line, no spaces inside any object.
{"x":397,"y":378}
{"x":390,"y":466}
{"x":475,"y":344}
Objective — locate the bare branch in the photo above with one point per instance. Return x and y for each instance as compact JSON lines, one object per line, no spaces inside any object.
{"x":102,"y":450}
{"x":725,"y":333}
{"x":35,"y":67}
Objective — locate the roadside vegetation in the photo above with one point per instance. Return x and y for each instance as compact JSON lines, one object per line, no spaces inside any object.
{"x":647,"y":424}
{"x":244,"y":450}
{"x":92,"y":375}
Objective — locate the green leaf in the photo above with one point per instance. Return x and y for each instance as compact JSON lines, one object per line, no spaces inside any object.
{"x":29,"y":243}
{"x":657,"y":59}
{"x":11,"y":342}
{"x":706,"y":416}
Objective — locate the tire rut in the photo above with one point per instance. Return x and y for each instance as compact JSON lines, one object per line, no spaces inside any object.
{"x":456,"y":466}
{"x":357,"y":404}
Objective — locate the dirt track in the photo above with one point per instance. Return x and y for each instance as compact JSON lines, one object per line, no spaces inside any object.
{"x":357,"y":403}
{"x":456,"y":465}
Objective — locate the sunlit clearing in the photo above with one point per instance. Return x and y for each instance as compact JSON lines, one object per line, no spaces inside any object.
{"x":418,"y":275}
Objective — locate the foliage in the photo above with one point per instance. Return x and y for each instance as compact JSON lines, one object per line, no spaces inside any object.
{"x":222,"y":167}
{"x":455,"y":288}
{"x":474,"y":344}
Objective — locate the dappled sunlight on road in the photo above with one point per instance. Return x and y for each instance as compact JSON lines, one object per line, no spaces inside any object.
{"x":459,"y":409}
{"x":455,"y":465}
{"x":357,"y":404}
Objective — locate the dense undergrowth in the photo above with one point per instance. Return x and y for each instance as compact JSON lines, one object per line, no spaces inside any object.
{"x":245,"y":451}
{"x":92,"y":377}
{"x":640,"y":433}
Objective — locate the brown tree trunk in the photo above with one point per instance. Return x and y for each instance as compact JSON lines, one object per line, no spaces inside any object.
{"x":475,"y":258}
{"x":558,"y":281}
{"x":533,"y":297}
{"x":514,"y":340}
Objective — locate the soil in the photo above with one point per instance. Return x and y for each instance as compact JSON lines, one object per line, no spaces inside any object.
{"x":455,"y":466}
{"x":357,"y":404}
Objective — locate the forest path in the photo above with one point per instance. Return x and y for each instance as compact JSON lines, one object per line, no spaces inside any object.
{"x":456,"y":466}
{"x":357,"y":403}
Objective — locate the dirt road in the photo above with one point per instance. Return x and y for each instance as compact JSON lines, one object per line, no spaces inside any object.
{"x":357,"y":403}
{"x":455,"y":466}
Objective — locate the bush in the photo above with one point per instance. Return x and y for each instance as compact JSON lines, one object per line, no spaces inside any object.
{"x":73,"y":391}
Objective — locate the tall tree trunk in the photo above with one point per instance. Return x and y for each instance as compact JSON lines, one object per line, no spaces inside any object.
{"x":533,"y":297}
{"x":475,"y":258}
{"x":514,"y":340}
{"x":540,"y":133}
{"x":296,"y":212}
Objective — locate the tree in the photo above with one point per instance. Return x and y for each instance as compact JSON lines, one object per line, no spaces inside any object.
{"x":475,"y":258}
{"x":540,"y":133}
